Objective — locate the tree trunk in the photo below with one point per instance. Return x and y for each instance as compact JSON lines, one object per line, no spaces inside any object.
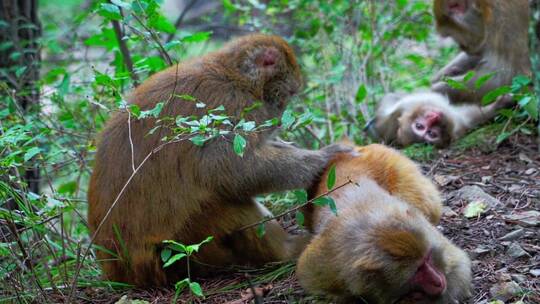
{"x":20,"y":62}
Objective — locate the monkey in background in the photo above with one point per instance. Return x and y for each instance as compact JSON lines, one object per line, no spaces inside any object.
{"x":493,"y":37}
{"x":382,"y":247}
{"x":187,"y":193}
{"x":427,"y":117}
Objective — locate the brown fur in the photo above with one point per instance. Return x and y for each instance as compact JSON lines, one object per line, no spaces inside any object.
{"x":185,"y":192}
{"x":493,"y":35}
{"x":373,"y":246}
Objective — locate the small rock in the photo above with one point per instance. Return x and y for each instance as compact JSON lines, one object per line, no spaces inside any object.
{"x":525,"y":158}
{"x":125,"y":300}
{"x":530,"y":171}
{"x":448,"y":212}
{"x":526,"y":218}
{"x":445,"y":180}
{"x":515,"y":251}
{"x":520,"y":278}
{"x":535,"y":272}
{"x":514,"y":235}
{"x":475,"y":193}
{"x":478,"y":251}
{"x":505,"y":291}
{"x":487,"y":179}
{"x":515,"y":188}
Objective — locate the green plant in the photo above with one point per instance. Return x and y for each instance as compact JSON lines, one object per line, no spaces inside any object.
{"x":182,"y":251}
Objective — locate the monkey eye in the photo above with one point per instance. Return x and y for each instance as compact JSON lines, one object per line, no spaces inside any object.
{"x":432,"y":135}
{"x":419,"y":126}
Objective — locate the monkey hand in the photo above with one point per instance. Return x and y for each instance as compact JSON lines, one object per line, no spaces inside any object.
{"x":332,"y":150}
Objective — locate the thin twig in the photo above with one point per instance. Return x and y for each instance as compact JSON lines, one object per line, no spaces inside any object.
{"x":295,"y":208}
{"x":156,"y":38}
{"x":131,"y":143}
{"x":125,"y":51}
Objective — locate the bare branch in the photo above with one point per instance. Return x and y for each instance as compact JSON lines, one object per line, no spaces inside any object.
{"x":125,"y":51}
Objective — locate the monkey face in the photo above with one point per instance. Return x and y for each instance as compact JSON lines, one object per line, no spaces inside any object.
{"x":465,"y":21}
{"x":425,"y":125}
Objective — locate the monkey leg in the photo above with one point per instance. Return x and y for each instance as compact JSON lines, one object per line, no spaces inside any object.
{"x":232,"y":246}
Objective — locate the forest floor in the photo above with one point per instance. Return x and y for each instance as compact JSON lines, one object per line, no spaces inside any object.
{"x":503,"y":241}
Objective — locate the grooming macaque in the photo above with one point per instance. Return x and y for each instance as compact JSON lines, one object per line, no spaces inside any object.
{"x":185,"y":192}
{"x":382,"y":246}
{"x":493,"y":37}
{"x":428,"y":117}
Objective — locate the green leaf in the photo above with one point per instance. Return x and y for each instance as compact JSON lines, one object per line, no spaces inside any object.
{"x":287,"y":119}
{"x":468,"y":76}
{"x":228,"y":6}
{"x":166,"y":254}
{"x":299,"y":218}
{"x":332,"y":205}
{"x":322,"y":201}
{"x":174,"y":245}
{"x":493,"y":95}
{"x":502,"y":137}
{"x":68,"y":188}
{"x":196,"y":289}
{"x":474,"y":209}
{"x":121,"y":3}
{"x":174,"y":259}
{"x":361,"y":93}
{"x":195,"y":247}
{"x":483,"y":79}
{"x":179,"y":286}
{"x":153,"y":112}
{"x":456,"y":84}
{"x":198,"y":140}
{"x":304,"y":120}
{"x":239,"y":145}
{"x":160,"y":23}
{"x":529,"y":104}
{"x":261,"y":230}
{"x":197,"y":37}
{"x":331,"y":181}
{"x":31,"y":153}
{"x":109,"y":11}
{"x":301,"y":196}
{"x":135,"y":110}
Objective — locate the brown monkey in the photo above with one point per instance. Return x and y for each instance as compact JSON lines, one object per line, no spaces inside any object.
{"x":185,"y":192}
{"x":381,"y":247}
{"x":493,"y":35}
{"x":427,"y":117}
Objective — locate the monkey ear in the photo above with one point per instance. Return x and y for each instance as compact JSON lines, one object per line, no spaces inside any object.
{"x":267,"y":57}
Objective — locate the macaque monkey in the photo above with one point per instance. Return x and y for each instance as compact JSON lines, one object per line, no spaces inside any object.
{"x":186,"y":192}
{"x":382,"y":247}
{"x":427,"y":117}
{"x":493,"y":37}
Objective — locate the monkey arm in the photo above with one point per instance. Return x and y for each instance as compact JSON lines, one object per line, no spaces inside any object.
{"x":460,"y":65}
{"x":471,"y":116}
{"x":264,"y":168}
{"x":385,"y":125}
{"x":500,"y":75}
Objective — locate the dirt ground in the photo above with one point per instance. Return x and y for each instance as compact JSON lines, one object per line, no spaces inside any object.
{"x":503,"y":241}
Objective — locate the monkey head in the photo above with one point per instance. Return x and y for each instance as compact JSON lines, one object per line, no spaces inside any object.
{"x":409,"y":262}
{"x":267,"y":65}
{"x":466,"y":21}
{"x":425,"y":124}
